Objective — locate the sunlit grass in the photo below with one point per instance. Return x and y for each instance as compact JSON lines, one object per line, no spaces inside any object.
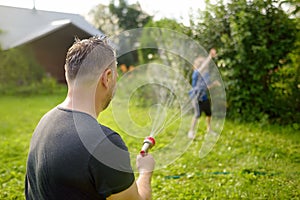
{"x":249,"y":161}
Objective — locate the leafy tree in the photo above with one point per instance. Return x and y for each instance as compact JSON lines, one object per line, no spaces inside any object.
{"x":130,"y":16}
{"x":254,"y":39}
{"x":286,"y":87}
{"x":104,"y":20}
{"x":146,"y":55}
{"x":117,"y":17}
{"x":166,"y":42}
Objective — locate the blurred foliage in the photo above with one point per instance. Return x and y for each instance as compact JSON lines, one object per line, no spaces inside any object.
{"x":258,"y":57}
{"x":162,"y":43}
{"x":285,"y":84}
{"x":258,"y":52}
{"x":21,"y":74}
{"x":117,"y":17}
{"x":18,"y":67}
{"x":130,"y":17}
{"x":146,"y":55}
{"x":104,"y":20}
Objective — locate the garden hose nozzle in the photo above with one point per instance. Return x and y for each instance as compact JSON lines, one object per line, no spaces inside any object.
{"x":149,"y":142}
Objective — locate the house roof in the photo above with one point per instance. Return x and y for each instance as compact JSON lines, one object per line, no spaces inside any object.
{"x":19,"y":26}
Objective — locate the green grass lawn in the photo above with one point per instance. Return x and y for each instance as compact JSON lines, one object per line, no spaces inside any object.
{"x":249,"y":161}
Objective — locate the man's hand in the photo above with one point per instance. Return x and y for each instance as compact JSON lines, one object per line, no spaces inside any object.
{"x":145,"y":163}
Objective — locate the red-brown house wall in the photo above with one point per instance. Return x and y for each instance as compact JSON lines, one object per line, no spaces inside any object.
{"x":50,"y":50}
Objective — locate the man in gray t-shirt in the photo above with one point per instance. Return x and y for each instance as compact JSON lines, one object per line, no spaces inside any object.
{"x":61,"y":165}
{"x":71,"y":155}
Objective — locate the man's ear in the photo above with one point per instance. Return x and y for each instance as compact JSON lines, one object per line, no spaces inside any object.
{"x":106,"y":77}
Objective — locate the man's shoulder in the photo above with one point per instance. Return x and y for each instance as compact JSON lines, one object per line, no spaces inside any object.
{"x":113,"y":136}
{"x":107,"y":130}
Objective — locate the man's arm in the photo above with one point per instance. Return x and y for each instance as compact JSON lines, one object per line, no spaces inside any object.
{"x":141,"y":189}
{"x":131,"y":193}
{"x":145,"y":165}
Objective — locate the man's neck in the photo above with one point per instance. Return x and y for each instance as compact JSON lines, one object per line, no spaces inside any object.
{"x":80,"y":101}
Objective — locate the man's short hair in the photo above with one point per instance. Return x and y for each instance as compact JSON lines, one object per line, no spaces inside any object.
{"x":88,"y":58}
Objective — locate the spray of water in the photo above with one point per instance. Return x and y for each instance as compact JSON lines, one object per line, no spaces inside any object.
{"x":159,"y":122}
{"x":154,"y":100}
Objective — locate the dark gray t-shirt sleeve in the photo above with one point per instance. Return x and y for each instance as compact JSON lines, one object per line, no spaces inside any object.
{"x":110,"y":161}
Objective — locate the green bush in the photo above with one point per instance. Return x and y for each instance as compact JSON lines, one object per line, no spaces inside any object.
{"x":21,"y":74}
{"x":254,"y":40}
